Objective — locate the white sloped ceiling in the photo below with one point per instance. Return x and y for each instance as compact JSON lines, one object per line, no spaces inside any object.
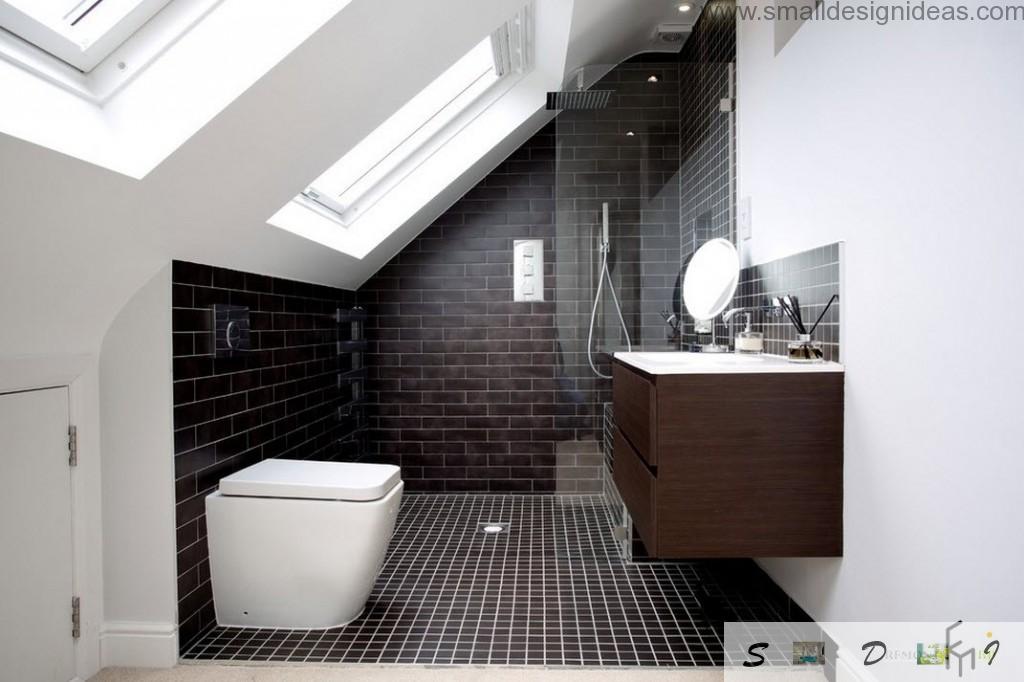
{"x":79,"y":240}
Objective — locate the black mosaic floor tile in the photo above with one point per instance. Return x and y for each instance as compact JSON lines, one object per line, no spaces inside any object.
{"x":550,"y":590}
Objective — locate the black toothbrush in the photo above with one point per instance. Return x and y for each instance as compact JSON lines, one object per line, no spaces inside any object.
{"x":828,"y":305}
{"x":794,"y":303}
{"x":781,"y":301}
{"x":787,"y":307}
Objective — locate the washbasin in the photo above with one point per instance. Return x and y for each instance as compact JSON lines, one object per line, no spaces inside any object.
{"x":670,"y":362}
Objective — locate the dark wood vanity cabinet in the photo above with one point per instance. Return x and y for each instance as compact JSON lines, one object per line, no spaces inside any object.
{"x":731,"y":465}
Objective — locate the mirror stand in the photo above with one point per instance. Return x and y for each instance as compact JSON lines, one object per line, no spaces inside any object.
{"x":709,"y":285}
{"x":714,"y":346}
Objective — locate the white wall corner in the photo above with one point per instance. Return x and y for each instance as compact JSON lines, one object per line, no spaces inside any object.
{"x":135,"y":644}
{"x":139,"y":582}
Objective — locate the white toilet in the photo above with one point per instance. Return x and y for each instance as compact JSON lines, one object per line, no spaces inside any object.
{"x":298,"y":544}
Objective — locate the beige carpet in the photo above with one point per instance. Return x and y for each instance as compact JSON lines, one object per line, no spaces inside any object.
{"x":371,"y":673}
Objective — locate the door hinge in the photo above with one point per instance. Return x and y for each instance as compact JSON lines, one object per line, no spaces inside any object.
{"x":76,"y":617}
{"x":73,"y":446}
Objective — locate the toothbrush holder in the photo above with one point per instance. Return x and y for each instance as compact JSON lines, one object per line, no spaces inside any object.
{"x":804,"y":350}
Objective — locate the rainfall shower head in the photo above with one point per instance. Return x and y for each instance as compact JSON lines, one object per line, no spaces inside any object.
{"x":578,"y":100}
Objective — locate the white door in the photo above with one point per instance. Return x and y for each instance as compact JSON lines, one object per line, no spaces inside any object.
{"x":35,"y":538}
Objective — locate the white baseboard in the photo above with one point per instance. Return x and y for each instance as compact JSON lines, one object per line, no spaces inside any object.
{"x":136,"y":644}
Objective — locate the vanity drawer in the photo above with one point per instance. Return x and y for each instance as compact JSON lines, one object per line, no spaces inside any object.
{"x":636,"y":411}
{"x":638,"y":489}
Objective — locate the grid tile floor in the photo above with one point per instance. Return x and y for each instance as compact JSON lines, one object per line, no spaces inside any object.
{"x":551,"y":590}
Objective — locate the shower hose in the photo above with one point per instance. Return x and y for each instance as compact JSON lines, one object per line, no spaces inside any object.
{"x":593,"y":312}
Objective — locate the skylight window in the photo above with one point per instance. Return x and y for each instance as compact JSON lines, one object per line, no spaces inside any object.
{"x":411,"y":157}
{"x":386,"y":155}
{"x":81,"y":33}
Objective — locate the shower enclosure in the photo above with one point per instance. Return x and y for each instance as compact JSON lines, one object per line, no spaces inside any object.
{"x":626,"y":156}
{"x":661,"y":156}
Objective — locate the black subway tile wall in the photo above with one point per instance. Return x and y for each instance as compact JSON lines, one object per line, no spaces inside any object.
{"x":707,"y":77}
{"x":279,"y":399}
{"x":662,"y":155}
{"x":467,"y":389}
{"x":813,"y":277}
{"x":708,"y":173}
{"x":625,"y":155}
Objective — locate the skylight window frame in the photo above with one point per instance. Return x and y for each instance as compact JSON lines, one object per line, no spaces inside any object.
{"x":358,"y":183}
{"x":510,"y":59}
{"x":125,"y":61}
{"x":87,"y":33}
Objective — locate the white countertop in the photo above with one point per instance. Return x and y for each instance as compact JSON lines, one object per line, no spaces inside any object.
{"x":670,"y":362}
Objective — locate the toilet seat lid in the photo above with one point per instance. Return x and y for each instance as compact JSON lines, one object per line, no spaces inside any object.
{"x":306,"y":479}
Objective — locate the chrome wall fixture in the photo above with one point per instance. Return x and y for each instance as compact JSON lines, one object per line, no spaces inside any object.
{"x":230,"y":330}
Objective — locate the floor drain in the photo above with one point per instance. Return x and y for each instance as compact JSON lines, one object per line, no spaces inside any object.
{"x":493,"y":528}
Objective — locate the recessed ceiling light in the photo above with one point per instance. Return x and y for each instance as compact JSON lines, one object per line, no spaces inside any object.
{"x":653,"y":78}
{"x":630,"y":133}
{"x":493,"y":528}
{"x":685,"y":7}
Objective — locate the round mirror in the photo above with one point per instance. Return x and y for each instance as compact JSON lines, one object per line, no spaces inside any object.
{"x":711,"y":279}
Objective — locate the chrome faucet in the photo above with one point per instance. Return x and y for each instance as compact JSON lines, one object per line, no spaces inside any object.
{"x":675,"y":323}
{"x":732,"y":312}
{"x":774,"y":310}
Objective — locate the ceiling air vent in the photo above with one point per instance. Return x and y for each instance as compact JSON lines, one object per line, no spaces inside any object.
{"x":672,"y":33}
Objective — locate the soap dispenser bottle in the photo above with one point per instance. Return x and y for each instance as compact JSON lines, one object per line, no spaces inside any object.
{"x":749,"y":341}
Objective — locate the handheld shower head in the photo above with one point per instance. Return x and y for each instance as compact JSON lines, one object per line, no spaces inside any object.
{"x":605,"y":242}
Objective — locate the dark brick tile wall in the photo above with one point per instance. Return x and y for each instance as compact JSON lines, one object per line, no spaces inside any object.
{"x":661,"y":155}
{"x":707,"y":76}
{"x":627,"y":155}
{"x":813,"y":277}
{"x":467,"y":389}
{"x":280,"y":399}
{"x":708,"y":172}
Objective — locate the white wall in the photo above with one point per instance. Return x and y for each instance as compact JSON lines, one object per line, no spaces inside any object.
{"x":140,"y":595}
{"x":906,"y":141}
